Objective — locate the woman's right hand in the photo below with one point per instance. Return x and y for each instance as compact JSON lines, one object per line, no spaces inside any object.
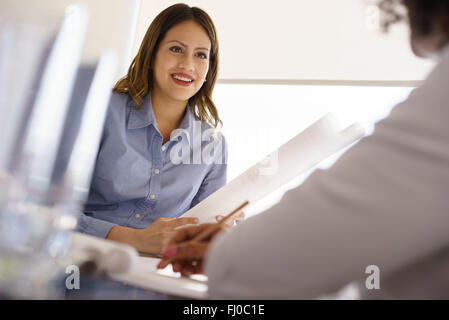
{"x":154,"y":237}
{"x":157,"y":235}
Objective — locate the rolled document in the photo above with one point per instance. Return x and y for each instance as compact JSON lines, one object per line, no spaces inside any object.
{"x":316,"y":143}
{"x":109,"y":256}
{"x":145,"y":275}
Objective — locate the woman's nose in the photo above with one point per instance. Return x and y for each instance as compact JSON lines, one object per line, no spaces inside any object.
{"x":186,"y":62}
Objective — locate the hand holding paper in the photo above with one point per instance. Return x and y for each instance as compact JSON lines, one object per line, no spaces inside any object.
{"x":187,"y":248}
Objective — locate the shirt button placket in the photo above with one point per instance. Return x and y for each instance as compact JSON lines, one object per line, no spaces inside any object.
{"x":157,"y":151}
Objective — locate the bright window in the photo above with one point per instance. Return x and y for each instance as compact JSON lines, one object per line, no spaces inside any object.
{"x":259,"y":118}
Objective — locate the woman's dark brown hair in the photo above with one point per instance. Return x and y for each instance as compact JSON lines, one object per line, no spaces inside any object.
{"x":424,"y":16}
{"x":139,"y":80}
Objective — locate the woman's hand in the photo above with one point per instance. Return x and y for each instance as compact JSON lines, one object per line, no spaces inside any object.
{"x":158,"y":234}
{"x":184,"y":252}
{"x":154,"y":237}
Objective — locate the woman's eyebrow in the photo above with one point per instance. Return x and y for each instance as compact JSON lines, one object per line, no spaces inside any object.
{"x":184,"y":45}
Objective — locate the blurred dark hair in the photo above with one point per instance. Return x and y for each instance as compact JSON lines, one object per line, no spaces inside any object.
{"x":423,"y":16}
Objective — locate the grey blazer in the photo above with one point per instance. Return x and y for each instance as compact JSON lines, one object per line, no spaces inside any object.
{"x":385,"y":203}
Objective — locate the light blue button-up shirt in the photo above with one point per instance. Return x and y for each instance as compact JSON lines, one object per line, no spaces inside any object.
{"x":137,"y":179}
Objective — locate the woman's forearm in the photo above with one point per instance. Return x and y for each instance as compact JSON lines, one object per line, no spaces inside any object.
{"x":123,"y":235}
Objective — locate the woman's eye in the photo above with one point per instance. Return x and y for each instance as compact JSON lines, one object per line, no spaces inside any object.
{"x":176,"y":49}
{"x":202,"y":55}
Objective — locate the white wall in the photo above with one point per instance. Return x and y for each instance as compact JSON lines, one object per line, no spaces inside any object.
{"x":302,"y":40}
{"x":260,"y":39}
{"x":112,"y":23}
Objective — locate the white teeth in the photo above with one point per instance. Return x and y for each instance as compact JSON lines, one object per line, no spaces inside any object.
{"x":182,"y":78}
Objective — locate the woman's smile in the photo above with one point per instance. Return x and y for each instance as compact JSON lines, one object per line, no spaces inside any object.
{"x":182,"y":79}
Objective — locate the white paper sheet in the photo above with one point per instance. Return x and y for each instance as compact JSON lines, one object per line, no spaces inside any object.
{"x":316,"y":143}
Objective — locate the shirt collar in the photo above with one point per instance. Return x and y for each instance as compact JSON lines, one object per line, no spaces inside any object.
{"x":187,"y":121}
{"x":144,"y":116}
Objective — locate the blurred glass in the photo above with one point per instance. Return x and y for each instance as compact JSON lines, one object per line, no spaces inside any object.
{"x":24,"y":46}
{"x":38,"y":64}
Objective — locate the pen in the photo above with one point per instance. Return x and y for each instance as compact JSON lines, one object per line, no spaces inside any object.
{"x":150,"y":254}
{"x":212,"y":229}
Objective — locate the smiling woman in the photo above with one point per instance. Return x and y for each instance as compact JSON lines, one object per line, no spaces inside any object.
{"x":137,"y":191}
{"x":167,"y":32}
{"x":179,"y":70}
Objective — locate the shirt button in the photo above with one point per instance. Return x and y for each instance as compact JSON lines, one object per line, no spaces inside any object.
{"x":163,"y":148}
{"x":156,"y":171}
{"x":152,"y":196}
{"x":138,"y":215}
